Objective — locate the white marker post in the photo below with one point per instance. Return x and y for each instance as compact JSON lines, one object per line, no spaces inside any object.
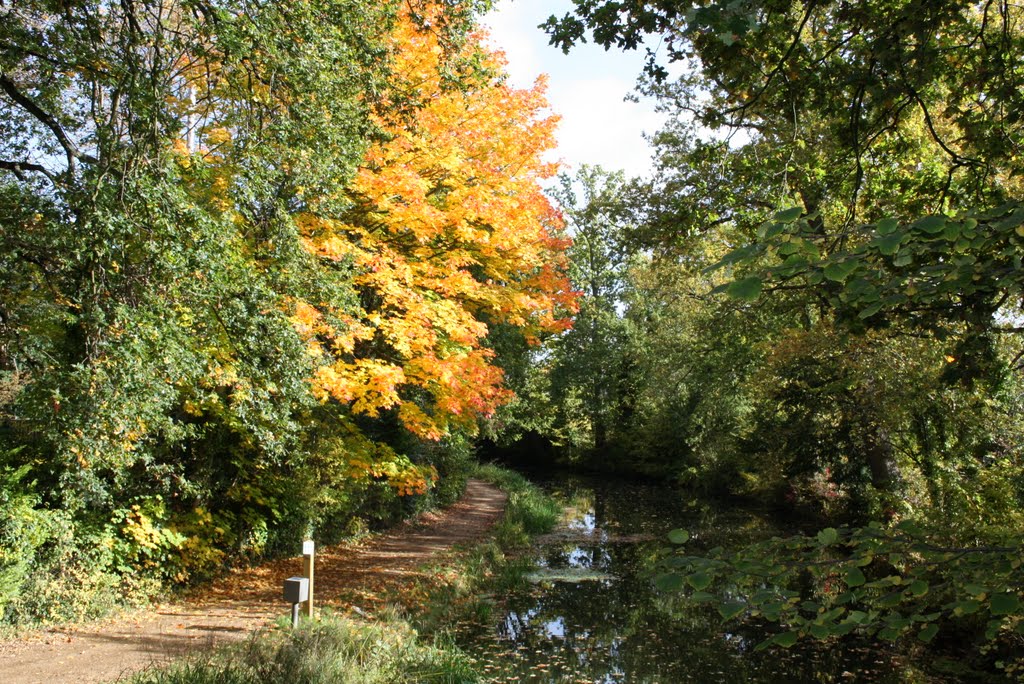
{"x":307,"y":572}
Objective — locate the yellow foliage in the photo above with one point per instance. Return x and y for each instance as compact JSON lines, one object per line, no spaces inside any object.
{"x":449,"y":229}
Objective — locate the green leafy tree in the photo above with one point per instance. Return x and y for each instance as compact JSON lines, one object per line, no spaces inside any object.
{"x":860,"y":165}
{"x":155,"y":160}
{"x":896,"y":111}
{"x":693,"y":357}
{"x":590,"y":374}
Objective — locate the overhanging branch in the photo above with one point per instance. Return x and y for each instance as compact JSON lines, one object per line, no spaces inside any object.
{"x":44,"y":117}
{"x":19,"y":169}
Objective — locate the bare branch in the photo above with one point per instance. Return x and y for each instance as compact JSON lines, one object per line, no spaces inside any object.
{"x":957,"y":158}
{"x":70,"y":148}
{"x":19,"y":168}
{"x":1015,"y":364}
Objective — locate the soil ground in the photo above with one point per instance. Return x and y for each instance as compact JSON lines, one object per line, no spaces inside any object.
{"x":348,"y":577}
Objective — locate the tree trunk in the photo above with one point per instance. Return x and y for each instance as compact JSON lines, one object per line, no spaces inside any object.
{"x":600,"y":433}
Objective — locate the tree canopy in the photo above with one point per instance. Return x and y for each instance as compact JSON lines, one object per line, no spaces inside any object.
{"x":252,"y":255}
{"x":827,"y":280}
{"x":854,"y":114}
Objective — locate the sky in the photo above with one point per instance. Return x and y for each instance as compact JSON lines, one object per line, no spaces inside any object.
{"x":586,"y":88}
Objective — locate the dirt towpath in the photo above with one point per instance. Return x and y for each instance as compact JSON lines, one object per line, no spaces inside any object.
{"x":348,"y":575}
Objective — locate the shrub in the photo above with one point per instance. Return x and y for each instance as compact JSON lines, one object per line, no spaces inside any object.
{"x":23,"y":529}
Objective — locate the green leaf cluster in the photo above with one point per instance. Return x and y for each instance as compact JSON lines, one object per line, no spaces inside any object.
{"x":890,"y":583}
{"x":937,"y":272}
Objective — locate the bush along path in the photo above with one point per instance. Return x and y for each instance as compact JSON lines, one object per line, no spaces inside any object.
{"x":349,"y":576}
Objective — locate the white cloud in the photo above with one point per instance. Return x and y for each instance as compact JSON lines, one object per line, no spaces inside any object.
{"x":586,"y":88}
{"x":512,"y":31}
{"x":598,"y":127}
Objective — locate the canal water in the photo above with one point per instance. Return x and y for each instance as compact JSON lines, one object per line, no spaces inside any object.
{"x":589,"y":611}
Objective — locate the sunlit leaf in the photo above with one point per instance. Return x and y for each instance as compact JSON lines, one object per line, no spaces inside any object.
{"x":828,"y":536}
{"x":887,"y":226}
{"x":853,"y":576}
{"x":735,"y":256}
{"x":856,"y":617}
{"x":789,"y":215}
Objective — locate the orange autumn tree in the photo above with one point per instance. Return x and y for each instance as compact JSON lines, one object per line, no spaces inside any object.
{"x":448,"y":234}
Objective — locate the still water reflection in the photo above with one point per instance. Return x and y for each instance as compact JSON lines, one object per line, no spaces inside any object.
{"x":589,"y":612}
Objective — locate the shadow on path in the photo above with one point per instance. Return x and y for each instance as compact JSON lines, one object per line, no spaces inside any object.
{"x":246,"y":600}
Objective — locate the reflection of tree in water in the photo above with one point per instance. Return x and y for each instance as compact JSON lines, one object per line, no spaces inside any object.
{"x":618,"y":629}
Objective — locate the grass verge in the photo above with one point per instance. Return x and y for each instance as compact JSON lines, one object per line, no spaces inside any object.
{"x":529,"y":511}
{"x":462,"y":591}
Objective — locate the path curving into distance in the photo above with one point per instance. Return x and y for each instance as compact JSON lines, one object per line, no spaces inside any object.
{"x":347,"y":575}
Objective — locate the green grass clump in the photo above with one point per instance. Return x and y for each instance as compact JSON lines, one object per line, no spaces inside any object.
{"x":330,"y":651}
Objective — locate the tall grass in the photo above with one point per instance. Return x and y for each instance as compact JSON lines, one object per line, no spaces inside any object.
{"x":331,"y":651}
